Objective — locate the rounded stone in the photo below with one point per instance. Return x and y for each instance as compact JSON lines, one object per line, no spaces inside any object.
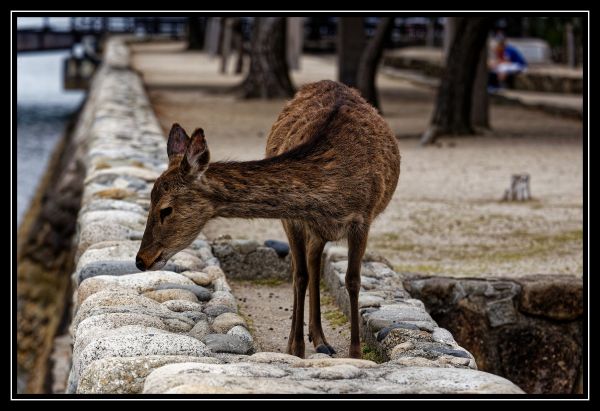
{"x":226,"y":321}
{"x":124,"y":301}
{"x":200,"y":330}
{"x":139,"y":282}
{"x":222,"y":298}
{"x":104,"y":231}
{"x":180,"y":306}
{"x":245,"y":246}
{"x":281,"y":248}
{"x":368,"y":300}
{"x":317,"y":355}
{"x":110,"y":204}
{"x":328,"y":362}
{"x":84,"y":337}
{"x":442,"y":335}
{"x":398,"y":336}
{"x":185,"y":261}
{"x":227,"y":343}
{"x":216,"y":310}
{"x":130,"y":219}
{"x":198,"y":277}
{"x":266,"y":357}
{"x":126,"y":375}
{"x":201,"y":293}
{"x":214,"y":271}
{"x":138,"y":172}
{"x":135,"y":345}
{"x":338,"y":372}
{"x":116,"y":320}
{"x":168,"y":295}
{"x":241,"y":332}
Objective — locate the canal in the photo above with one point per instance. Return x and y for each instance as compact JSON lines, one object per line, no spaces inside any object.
{"x":43,"y":110}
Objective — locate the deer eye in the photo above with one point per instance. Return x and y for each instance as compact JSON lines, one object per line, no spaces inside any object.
{"x":164,"y":213}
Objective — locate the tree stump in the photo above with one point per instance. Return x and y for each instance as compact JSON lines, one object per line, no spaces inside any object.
{"x":519,"y":188}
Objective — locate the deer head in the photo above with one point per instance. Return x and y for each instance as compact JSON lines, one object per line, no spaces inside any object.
{"x":178,"y":210}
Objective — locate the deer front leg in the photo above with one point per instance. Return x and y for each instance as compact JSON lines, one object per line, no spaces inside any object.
{"x":357,"y":242}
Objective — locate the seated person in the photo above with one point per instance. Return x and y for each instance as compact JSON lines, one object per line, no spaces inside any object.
{"x":509,"y":62}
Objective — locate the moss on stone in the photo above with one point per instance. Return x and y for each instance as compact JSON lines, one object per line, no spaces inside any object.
{"x":335,"y":317}
{"x":370,"y":353}
{"x":101,"y":165}
{"x":137,"y":163}
{"x":114,"y":193}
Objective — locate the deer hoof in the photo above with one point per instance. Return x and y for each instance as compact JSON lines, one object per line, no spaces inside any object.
{"x":325,"y":349}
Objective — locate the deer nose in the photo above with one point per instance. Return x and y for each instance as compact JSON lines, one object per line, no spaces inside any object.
{"x":139,"y":263}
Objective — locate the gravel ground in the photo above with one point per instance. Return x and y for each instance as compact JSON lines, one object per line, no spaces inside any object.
{"x":446,"y":216}
{"x":267,"y":309}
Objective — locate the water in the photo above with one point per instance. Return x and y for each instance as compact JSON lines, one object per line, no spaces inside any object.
{"x":43,"y":109}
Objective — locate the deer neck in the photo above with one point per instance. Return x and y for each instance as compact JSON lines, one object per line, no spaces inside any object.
{"x":263,"y":189}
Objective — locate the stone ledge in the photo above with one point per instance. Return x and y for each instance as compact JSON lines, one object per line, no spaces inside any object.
{"x":527,"y":329}
{"x":121,"y":316}
{"x":249,"y":260}
{"x":395,"y":324}
{"x":344,"y":376}
{"x":184,"y":319}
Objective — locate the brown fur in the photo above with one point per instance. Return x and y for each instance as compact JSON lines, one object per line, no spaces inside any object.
{"x":332,"y":166}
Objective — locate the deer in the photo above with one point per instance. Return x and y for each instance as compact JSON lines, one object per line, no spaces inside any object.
{"x":332,"y":165}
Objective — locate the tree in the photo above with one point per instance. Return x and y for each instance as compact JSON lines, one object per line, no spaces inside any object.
{"x":351,"y":43}
{"x":268,"y":76}
{"x":196,"y":30}
{"x":480,"y":106}
{"x":452,"y":113}
{"x":367,"y":68}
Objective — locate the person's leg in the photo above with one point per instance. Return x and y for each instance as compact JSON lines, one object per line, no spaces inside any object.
{"x":492,"y":79}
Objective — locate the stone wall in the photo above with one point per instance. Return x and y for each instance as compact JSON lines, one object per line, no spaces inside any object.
{"x":177,"y":330}
{"x":249,"y":260}
{"x":528,"y":330}
{"x":126,"y":323}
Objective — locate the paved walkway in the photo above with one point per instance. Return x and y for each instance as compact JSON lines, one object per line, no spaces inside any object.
{"x":569,"y":105}
{"x":433,"y":55}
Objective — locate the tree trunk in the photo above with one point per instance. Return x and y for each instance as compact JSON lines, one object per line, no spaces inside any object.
{"x":238,"y":44}
{"x":196,"y":32}
{"x":430,"y":36}
{"x":226,"y":42}
{"x":480,"y":103}
{"x":351,"y":43}
{"x":295,"y":35}
{"x":570,"y":40}
{"x":367,"y":68}
{"x":449,"y":30}
{"x":452,"y":114}
{"x":268,"y":76}
{"x":213,"y":33}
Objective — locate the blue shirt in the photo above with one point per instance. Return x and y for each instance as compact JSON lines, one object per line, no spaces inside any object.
{"x":513,"y":55}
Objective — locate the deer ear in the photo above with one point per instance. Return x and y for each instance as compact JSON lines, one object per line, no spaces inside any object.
{"x":197,"y":155}
{"x":177,"y":143}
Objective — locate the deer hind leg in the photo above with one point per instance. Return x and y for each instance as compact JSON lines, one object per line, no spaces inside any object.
{"x":296,"y":239}
{"x":357,"y":243}
{"x":314,"y":253}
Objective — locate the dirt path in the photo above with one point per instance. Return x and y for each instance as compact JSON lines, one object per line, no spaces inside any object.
{"x":268,"y":311}
{"x":445,"y":216}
